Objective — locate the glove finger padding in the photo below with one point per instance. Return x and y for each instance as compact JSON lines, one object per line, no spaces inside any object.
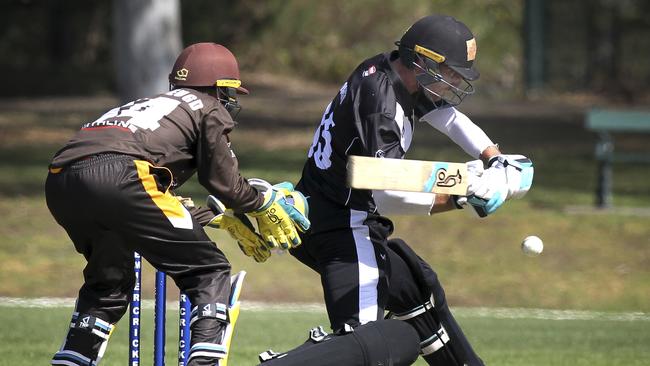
{"x":475,"y":168}
{"x":259,"y":253}
{"x":249,"y":242}
{"x":508,"y":176}
{"x":278,"y":220}
{"x":519,"y":175}
{"x":295,"y":203}
{"x":488,"y":190}
{"x":240,"y":229}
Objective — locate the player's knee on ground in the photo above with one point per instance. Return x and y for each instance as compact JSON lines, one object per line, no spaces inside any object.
{"x":442,"y":342}
{"x":384,"y":342}
{"x":86,"y":341}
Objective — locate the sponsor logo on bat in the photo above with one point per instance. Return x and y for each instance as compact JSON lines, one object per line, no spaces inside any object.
{"x":441,"y":178}
{"x":448,"y":180}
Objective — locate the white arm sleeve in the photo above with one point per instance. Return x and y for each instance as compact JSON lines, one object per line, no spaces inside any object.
{"x":460,"y":129}
{"x":403,"y":203}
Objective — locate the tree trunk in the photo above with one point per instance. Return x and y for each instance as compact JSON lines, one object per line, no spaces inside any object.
{"x":146,"y":41}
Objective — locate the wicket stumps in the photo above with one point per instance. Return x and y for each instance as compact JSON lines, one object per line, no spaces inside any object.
{"x":184,"y":310}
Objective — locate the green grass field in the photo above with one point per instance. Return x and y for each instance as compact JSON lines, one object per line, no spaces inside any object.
{"x":593,"y":261}
{"x":31,"y":335}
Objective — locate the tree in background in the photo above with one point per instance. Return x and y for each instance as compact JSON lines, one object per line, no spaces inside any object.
{"x":146,"y":41}
{"x":67,"y":47}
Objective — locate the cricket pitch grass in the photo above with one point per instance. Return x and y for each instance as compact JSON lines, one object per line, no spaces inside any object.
{"x":505,"y":337}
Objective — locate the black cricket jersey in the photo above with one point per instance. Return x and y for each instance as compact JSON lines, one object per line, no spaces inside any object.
{"x":183,"y":130}
{"x":372,"y":115}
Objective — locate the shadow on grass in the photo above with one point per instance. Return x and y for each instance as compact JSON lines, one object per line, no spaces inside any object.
{"x":24,"y":169}
{"x":562,"y":151}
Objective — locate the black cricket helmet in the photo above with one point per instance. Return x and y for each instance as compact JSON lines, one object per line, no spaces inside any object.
{"x":435,"y":40}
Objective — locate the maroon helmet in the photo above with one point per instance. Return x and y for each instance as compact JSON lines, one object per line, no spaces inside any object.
{"x":204,"y":65}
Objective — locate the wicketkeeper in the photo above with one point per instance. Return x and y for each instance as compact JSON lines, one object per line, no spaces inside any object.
{"x":375,"y":113}
{"x":111,"y":185}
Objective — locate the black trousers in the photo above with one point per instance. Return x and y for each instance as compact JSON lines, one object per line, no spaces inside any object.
{"x":383,"y":342}
{"x":363,"y":275}
{"x":113,"y":205}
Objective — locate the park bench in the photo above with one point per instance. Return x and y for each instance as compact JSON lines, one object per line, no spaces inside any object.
{"x":605,"y":123}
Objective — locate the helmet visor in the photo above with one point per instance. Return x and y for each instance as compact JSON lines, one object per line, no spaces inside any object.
{"x":468,"y":73}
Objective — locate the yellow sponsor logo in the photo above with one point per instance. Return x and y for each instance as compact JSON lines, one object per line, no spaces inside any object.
{"x":229,"y":83}
{"x":182,"y":74}
{"x":471,"y":49}
{"x":430,"y":54}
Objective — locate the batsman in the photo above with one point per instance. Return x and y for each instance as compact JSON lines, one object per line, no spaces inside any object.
{"x":363,"y":270}
{"x":111,"y":188}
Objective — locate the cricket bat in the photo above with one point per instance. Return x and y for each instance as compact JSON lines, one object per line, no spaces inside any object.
{"x":407,"y":175}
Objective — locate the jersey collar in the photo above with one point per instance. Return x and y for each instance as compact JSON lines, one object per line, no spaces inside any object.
{"x":404,"y":98}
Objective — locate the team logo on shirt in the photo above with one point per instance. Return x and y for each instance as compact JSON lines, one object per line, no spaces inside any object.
{"x":145,"y":113}
{"x":110,"y":123}
{"x":371,"y":70}
{"x":471,"y":49}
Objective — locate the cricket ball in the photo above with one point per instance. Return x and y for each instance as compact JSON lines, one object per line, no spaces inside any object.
{"x":532,"y":246}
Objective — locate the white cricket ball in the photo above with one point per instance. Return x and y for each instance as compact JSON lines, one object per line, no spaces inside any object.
{"x":532,"y":246}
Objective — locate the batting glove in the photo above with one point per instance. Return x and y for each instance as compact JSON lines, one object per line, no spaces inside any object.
{"x":507,"y":176}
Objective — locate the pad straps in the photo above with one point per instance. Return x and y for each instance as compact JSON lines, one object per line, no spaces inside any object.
{"x":217,"y":311}
{"x":210,"y":350}
{"x":92,"y":325}
{"x":415,"y":311}
{"x":435,"y":342}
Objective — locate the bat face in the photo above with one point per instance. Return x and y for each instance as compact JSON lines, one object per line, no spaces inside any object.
{"x":407,"y":175}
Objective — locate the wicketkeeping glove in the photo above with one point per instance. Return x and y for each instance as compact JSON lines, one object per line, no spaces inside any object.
{"x":299,"y":208}
{"x":240,"y":229}
{"x":279,"y":219}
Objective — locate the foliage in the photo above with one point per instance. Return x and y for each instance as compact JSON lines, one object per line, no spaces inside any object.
{"x":326,"y":40}
{"x":65,"y":47}
{"x":55,"y":47}
{"x":317,"y":40}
